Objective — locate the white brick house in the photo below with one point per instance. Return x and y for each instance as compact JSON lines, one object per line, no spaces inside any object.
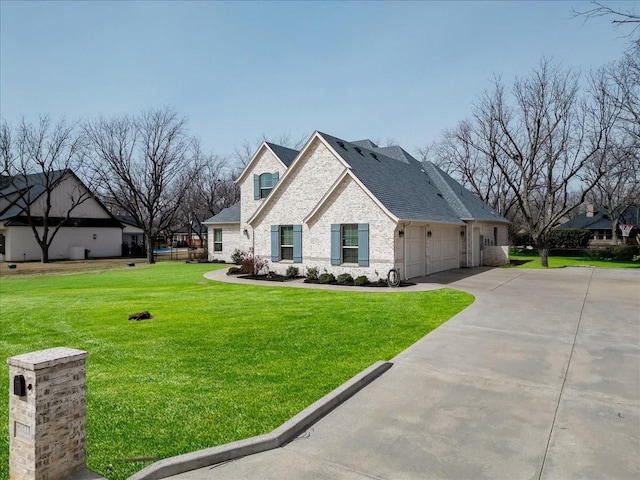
{"x":351,"y":207}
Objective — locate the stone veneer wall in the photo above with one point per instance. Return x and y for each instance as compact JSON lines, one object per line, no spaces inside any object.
{"x":495,"y":256}
{"x":47,"y":427}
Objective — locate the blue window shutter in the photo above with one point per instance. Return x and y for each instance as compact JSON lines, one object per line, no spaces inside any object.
{"x":297,"y":243}
{"x":275,"y":176}
{"x":335,"y":244}
{"x":363,"y":244}
{"x":275,"y":243}
{"x":256,"y":187}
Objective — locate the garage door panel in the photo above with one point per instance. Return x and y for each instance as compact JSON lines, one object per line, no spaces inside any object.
{"x":444,"y":246}
{"x":415,"y":251}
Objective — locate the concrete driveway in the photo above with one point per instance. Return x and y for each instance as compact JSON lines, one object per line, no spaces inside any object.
{"x":538,"y":379}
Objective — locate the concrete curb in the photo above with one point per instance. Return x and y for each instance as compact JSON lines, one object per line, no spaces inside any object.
{"x":278,"y":437}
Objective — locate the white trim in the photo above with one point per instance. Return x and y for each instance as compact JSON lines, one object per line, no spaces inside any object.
{"x":292,"y":167}
{"x":334,"y":187}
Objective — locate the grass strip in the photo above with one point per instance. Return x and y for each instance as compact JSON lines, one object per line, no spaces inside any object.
{"x":520,"y":260}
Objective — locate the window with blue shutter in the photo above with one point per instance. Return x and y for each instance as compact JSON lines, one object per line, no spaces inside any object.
{"x":297,"y":243}
{"x":286,"y":242}
{"x":264,"y":183}
{"x":256,"y":187}
{"x":363,"y":244}
{"x":275,"y":243}
{"x":350,"y":247}
{"x":350,"y":244}
{"x":335,"y":244}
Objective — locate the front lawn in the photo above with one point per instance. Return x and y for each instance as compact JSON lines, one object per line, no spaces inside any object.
{"x":217,"y":363}
{"x":523,"y":260}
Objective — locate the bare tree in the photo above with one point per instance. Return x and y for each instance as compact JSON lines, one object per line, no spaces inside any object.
{"x":146,"y":166}
{"x":531,"y":144}
{"x":551,"y":135}
{"x":243,"y":154}
{"x":617,"y":189}
{"x":211,"y":191}
{"x":615,"y":177}
{"x":618,"y":17}
{"x":469,"y":155}
{"x":36,"y":160}
{"x":624,"y":90}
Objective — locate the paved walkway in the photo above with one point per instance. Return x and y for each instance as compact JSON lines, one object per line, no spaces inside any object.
{"x":538,"y":379}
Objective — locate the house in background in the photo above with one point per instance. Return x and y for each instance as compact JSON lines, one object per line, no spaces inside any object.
{"x":90,"y":229}
{"x":192,"y":236}
{"x":352,"y":207}
{"x":133,"y":239}
{"x":598,"y":222}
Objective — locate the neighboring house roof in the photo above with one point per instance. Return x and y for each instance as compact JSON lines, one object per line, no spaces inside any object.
{"x":286,"y":155}
{"x":127,"y":220}
{"x":228,"y":215}
{"x":14,"y":190}
{"x":12,"y":187}
{"x":601,"y":220}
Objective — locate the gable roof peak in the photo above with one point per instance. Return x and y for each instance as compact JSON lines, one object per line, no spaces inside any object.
{"x":285,"y":154}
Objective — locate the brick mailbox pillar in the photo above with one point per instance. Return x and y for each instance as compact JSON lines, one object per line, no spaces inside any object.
{"x":47,"y":414}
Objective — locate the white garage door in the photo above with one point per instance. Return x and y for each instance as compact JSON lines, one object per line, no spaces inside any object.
{"x":415,"y":251}
{"x":443,"y":249}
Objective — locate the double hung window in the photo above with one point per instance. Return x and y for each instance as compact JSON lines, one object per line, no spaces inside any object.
{"x":217,"y":239}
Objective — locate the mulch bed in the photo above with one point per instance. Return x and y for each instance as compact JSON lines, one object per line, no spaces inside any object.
{"x":284,"y":278}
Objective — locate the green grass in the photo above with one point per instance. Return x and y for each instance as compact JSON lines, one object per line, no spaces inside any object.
{"x":533,"y":261}
{"x":217,"y":363}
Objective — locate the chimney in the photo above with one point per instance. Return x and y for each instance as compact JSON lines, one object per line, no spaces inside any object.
{"x":589,"y":210}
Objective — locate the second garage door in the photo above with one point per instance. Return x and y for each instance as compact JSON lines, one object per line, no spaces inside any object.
{"x":443,"y":249}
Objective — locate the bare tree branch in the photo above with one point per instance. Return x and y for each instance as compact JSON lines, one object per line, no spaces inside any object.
{"x":146,"y":166}
{"x":36,"y":159}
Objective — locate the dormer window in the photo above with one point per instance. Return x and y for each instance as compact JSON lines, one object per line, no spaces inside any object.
{"x":263,"y":184}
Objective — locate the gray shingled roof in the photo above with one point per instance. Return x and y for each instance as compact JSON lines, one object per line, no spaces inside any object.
{"x":466,"y":204}
{"x":409,"y":189}
{"x":366,"y":143}
{"x":601,"y":221}
{"x":228,"y":215}
{"x":37,"y":185}
{"x":286,"y":155}
{"x":397,"y":153}
{"x":403,"y":188}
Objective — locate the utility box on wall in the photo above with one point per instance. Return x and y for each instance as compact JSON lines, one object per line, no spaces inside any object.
{"x":47,"y":414}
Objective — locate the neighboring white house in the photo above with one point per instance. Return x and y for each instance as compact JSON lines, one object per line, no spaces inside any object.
{"x":90,"y":229}
{"x":352,"y":207}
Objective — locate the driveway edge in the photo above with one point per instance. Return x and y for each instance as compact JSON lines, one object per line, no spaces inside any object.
{"x":276,"y":438}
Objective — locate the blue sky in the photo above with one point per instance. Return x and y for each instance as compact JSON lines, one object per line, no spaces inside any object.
{"x":237,"y":70}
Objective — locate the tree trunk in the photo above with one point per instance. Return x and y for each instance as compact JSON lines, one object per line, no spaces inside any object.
{"x":151,"y":246}
{"x":45,"y":254}
{"x":614,"y":232}
{"x":544,"y":256}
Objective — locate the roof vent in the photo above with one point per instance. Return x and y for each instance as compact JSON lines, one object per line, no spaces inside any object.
{"x":440,"y":195}
{"x":359,"y":151}
{"x":342,"y":144}
{"x":374,"y":156}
